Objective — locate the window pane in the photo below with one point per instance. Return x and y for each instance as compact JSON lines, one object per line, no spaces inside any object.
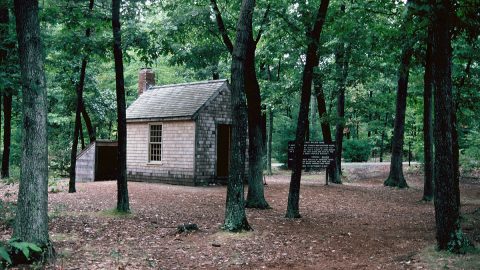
{"x":155,"y":142}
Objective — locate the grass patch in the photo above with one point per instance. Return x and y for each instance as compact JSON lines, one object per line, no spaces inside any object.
{"x":447,"y":260}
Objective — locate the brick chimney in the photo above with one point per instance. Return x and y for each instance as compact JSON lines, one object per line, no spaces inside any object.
{"x":146,"y":79}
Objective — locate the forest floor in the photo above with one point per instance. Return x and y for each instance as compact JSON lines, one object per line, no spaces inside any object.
{"x":358,"y":225}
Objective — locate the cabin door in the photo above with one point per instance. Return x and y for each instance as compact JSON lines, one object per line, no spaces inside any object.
{"x":223,"y":150}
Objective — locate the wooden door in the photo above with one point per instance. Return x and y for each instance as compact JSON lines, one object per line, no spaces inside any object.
{"x":223,"y":150}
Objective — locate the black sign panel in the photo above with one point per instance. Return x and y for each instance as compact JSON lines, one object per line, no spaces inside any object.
{"x":316,"y":155}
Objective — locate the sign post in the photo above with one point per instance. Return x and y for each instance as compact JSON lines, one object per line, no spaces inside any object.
{"x":316,"y":155}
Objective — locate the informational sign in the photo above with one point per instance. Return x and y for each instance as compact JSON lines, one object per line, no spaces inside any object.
{"x":316,"y":155}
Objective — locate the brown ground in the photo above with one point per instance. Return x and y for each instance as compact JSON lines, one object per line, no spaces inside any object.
{"x":359,"y":225}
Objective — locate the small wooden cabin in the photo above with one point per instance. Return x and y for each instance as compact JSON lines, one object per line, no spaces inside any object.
{"x":179,"y":134}
{"x":97,"y":162}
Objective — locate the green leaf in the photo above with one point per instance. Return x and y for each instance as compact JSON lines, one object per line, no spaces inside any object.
{"x":4,"y":255}
{"x":23,"y":246}
{"x":34,"y":247}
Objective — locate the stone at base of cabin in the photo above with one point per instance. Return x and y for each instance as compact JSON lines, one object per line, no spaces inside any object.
{"x":187,"y":227}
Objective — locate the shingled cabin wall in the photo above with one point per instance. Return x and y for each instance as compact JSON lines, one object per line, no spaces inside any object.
{"x":177,"y":165}
{"x":215,"y":112}
{"x":189,"y":114}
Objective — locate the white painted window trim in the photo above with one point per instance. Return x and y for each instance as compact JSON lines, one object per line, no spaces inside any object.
{"x":149,"y":161}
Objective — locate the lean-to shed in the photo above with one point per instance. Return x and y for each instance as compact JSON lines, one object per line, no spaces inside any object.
{"x":179,"y":134}
{"x":97,"y":162}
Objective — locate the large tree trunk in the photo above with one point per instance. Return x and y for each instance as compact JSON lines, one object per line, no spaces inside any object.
{"x":313,"y":37}
{"x":78,"y":120}
{"x":256,"y":146}
{"x":447,"y":209}
{"x":235,"y":217}
{"x":31,"y":221}
{"x":7,"y":132}
{"x":122,"y":189}
{"x":396,"y":178}
{"x":427,"y":122}
{"x":255,"y":196}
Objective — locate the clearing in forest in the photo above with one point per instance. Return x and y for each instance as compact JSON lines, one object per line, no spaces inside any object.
{"x":358,"y":225}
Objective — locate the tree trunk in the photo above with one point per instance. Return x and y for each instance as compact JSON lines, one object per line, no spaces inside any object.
{"x":396,"y":178}
{"x":447,"y":210}
{"x":235,"y":217}
{"x":4,"y":21}
{"x":78,"y":120}
{"x":322,"y":114}
{"x":255,"y":196}
{"x":322,"y":108}
{"x":313,"y":37}
{"x":427,"y":122}
{"x":88,"y":121}
{"x":256,"y":146}
{"x":31,"y":221}
{"x":341,"y":59}
{"x":76,"y":130}
{"x":7,"y":132}
{"x":7,"y":92}
{"x":122,"y":188}
{"x":269,"y":141}
{"x":82,"y":138}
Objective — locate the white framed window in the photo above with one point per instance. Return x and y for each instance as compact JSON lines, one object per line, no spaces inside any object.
{"x":155,"y":143}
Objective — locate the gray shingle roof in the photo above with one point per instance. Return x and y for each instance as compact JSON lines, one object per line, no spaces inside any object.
{"x":177,"y":101}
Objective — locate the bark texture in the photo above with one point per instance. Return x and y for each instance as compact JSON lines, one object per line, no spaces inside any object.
{"x":313,"y":37}
{"x":427,"y":122}
{"x":31,"y":221}
{"x":396,"y":178}
{"x":322,"y":113}
{"x":123,"y":204}
{"x":447,"y":209}
{"x":235,"y":217}
{"x":256,"y":152}
{"x":7,"y":92}
{"x":341,"y":62}
{"x":7,"y":132}
{"x":256,"y":146}
{"x":88,"y":122}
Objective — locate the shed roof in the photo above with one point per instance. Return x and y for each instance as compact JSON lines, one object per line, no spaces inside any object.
{"x":176,"y":101}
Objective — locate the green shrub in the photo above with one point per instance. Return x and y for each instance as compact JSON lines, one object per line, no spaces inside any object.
{"x":356,"y":150}
{"x":15,"y":251}
{"x":470,"y":154}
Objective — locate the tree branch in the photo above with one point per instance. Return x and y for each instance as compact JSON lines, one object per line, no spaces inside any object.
{"x":264,"y":21}
{"x":221,"y":26}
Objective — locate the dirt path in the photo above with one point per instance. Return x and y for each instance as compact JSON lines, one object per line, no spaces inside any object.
{"x":359,"y":225}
